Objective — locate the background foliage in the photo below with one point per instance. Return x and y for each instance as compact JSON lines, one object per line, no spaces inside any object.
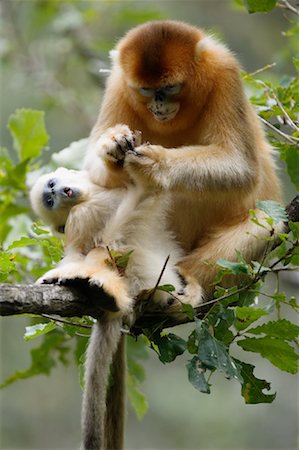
{"x":28,"y":250}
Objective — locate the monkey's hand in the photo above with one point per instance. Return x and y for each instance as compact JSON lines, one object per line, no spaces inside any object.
{"x":147,"y":165}
{"x":116,"y":142}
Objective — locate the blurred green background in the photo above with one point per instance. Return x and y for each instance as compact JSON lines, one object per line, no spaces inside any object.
{"x":51,"y":53}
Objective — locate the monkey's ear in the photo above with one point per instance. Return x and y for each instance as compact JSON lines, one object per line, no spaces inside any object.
{"x":202,"y":45}
{"x":114,"y":56}
{"x":61,"y":229}
{"x":212,"y":45}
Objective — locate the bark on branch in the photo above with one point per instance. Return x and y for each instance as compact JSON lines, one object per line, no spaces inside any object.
{"x":70,"y":301}
{"x":46,"y":299}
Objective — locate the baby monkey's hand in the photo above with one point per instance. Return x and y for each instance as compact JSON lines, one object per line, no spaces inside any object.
{"x":116,"y":142}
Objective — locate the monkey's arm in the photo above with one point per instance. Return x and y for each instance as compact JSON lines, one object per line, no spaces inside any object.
{"x":194,"y":168}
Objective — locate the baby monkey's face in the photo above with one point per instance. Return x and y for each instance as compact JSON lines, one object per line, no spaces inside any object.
{"x":54,"y":194}
{"x":61,"y":189}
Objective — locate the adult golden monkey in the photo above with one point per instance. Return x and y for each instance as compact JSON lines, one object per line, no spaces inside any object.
{"x":183,"y":90}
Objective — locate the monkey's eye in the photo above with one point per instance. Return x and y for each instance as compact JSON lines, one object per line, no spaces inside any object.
{"x":49,"y":201}
{"x":51,"y":183}
{"x":146,"y":92}
{"x":172,"y":89}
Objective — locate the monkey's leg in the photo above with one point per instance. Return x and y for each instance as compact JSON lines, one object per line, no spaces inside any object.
{"x":246,"y":237}
{"x":102,"y":275}
{"x":115,"y":402}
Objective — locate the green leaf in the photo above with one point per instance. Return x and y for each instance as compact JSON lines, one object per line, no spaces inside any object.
{"x":247,"y":298}
{"x":226,"y":295}
{"x":277,"y":351}
{"x":236,"y":268}
{"x":294,"y":259}
{"x":40,"y":329}
{"x":221,"y":318}
{"x":14,"y":177}
{"x":252,"y":387}
{"x":274,"y":210}
{"x":38,"y":230}
{"x":254,"y":6}
{"x":188,"y":310}
{"x":7,"y":265}
{"x":222,"y":331}
{"x":170,"y":346}
{"x":29,"y":133}
{"x":296,"y":62}
{"x":213,"y":354}
{"x":120,"y":259}
{"x":23,"y":242}
{"x":136,"y":397}
{"x":136,"y":349}
{"x":283,"y":329}
{"x":166,"y":288}
{"x":246,"y":316}
{"x":196,"y":375}
{"x":292,"y":162}
{"x":294,"y":226}
{"x":43,"y":358}
{"x":192,"y":344}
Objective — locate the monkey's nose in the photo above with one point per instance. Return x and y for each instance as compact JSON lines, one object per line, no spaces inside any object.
{"x":68,"y":191}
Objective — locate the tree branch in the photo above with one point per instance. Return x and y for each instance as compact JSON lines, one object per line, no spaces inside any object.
{"x":70,"y":301}
{"x":46,"y":299}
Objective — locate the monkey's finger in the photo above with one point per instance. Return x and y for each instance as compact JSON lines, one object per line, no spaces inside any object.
{"x":129,"y":144}
{"x":133,"y":152}
{"x":48,"y":281}
{"x":137,"y":137}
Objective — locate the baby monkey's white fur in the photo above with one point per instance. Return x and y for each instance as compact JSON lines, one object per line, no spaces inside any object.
{"x":95,"y":219}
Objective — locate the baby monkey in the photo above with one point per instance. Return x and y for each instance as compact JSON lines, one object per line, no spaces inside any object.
{"x":97,"y":222}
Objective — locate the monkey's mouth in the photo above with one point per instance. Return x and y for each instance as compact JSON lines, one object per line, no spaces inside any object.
{"x":164,"y":114}
{"x":68,"y":192}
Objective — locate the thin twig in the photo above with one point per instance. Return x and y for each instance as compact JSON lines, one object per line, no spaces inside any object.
{"x":67,"y":322}
{"x":285,"y":136}
{"x":271,"y":94}
{"x":159,"y":278}
{"x":286,"y":5}
{"x":262,"y":69}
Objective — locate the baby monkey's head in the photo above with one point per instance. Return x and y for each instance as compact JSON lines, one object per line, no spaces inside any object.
{"x":53,"y":195}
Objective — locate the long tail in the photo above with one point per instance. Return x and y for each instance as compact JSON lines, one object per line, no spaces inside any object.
{"x":115,"y":403}
{"x":104,"y":340}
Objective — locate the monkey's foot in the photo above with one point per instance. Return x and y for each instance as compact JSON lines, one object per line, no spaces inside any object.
{"x":192,"y":294}
{"x":115,"y":287}
{"x":59,"y":274}
{"x":116,"y":142}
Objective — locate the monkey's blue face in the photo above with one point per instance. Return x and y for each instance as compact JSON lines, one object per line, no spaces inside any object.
{"x":162,"y":93}
{"x":57,"y":193}
{"x":162,"y":102}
